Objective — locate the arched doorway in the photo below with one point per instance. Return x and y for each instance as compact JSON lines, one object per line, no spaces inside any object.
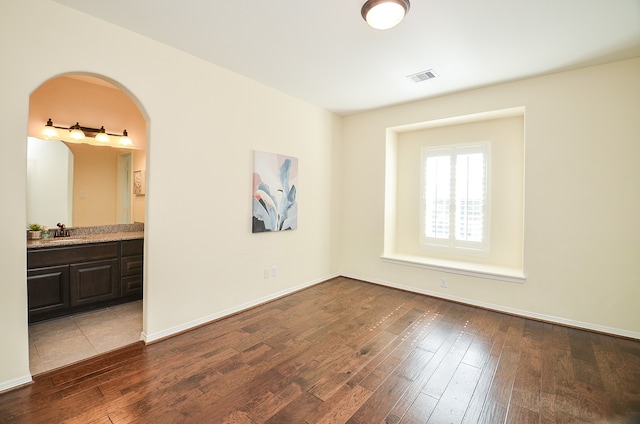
{"x":100,"y":198}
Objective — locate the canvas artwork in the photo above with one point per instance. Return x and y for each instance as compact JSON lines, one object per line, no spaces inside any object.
{"x":275,"y":180}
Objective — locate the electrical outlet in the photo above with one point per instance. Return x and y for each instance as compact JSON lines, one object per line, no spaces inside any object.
{"x":274,"y":271}
{"x":443,"y":282}
{"x":266,"y":272}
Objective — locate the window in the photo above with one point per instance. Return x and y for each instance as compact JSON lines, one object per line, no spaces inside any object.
{"x":455,"y":206}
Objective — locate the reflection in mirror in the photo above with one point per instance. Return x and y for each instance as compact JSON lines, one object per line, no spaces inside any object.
{"x":101,"y":179}
{"x":49,"y":182}
{"x":77,"y":184}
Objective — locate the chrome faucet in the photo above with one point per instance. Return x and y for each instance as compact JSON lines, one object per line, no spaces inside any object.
{"x":61,"y":231}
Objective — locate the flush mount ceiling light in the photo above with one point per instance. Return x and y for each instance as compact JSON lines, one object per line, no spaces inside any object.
{"x":384,"y":14}
{"x":78,"y":133}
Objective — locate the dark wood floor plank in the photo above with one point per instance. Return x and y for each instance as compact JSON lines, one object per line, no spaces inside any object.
{"x":443,"y":374}
{"x":273,"y":404}
{"x":341,"y":407}
{"x":506,"y":348}
{"x":492,"y":413}
{"x":446,"y":336}
{"x":420,"y":410}
{"x":520,"y":415}
{"x":456,"y":398}
{"x":420,"y":333}
{"x":376,"y":408}
{"x":547,"y":408}
{"x":298,"y":410}
{"x":481,"y":393}
{"x":331,"y":375}
{"x":566,"y":397}
{"x":527,"y":384}
{"x":477,"y":353}
{"x":616,"y":358}
{"x":345,"y":351}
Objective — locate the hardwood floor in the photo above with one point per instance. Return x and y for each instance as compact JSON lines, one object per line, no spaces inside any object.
{"x":349,"y":352}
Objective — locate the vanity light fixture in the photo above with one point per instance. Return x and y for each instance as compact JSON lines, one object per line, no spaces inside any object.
{"x":49,"y":130}
{"x":102,"y":135}
{"x":78,"y":132}
{"x":384,"y":14}
{"x":125,"y":140}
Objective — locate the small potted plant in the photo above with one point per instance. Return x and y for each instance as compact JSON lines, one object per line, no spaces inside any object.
{"x":34,"y":231}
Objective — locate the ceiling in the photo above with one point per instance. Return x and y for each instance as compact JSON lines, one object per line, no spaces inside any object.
{"x":323,"y":52}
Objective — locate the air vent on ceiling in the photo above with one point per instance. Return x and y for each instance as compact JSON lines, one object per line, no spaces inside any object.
{"x":422,"y":76}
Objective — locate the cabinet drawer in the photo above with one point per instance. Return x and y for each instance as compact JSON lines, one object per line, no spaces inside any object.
{"x":132,"y":247}
{"x":131,"y":265}
{"x":67,"y":255}
{"x":94,"y":282}
{"x":131,"y":286}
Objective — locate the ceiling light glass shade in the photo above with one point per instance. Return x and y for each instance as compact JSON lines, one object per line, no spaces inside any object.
{"x":384,"y":14}
{"x":76,"y":133}
{"x":125,"y":140}
{"x":49,"y":130}
{"x":102,"y":136}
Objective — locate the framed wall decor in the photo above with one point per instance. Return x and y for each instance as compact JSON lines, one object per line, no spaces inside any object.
{"x":275,"y":192}
{"x":138,"y":183}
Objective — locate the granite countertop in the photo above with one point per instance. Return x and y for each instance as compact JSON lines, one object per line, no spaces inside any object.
{"x":88,"y":235}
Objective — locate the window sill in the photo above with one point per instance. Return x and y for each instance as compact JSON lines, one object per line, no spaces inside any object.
{"x":491,"y":272}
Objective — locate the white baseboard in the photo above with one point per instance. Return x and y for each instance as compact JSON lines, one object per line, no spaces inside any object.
{"x":148,"y":338}
{"x":12,"y":384}
{"x":505,"y":309}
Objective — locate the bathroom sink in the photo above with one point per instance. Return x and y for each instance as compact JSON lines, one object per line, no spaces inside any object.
{"x":61,"y":240}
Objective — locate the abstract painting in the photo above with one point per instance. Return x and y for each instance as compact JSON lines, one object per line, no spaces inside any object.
{"x":275,"y":180}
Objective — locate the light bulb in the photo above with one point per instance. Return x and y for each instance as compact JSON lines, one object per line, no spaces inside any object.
{"x":76,"y":133}
{"x":125,"y":140}
{"x":102,"y":136}
{"x":49,"y":130}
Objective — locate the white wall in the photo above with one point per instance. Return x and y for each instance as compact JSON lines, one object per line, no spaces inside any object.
{"x":582,"y":198}
{"x":203,"y":124}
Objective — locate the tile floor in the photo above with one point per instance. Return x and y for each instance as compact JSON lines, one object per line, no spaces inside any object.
{"x":66,"y":340}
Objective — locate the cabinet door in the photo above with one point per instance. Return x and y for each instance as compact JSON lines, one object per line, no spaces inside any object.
{"x":94,"y":282}
{"x":47,"y":291}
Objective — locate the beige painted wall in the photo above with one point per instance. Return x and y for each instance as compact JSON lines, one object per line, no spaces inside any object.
{"x":582,"y":198}
{"x":94,"y":184}
{"x":201,"y":260}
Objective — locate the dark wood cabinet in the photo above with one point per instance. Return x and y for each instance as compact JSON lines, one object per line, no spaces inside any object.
{"x":68,"y":279}
{"x":48,"y":290}
{"x":94,"y":282}
{"x":131,"y":264}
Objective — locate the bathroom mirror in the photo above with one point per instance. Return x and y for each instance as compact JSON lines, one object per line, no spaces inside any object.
{"x":49,"y":182}
{"x":77,"y":184}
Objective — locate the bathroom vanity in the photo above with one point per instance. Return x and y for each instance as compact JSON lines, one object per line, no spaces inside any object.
{"x":82,"y":272}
